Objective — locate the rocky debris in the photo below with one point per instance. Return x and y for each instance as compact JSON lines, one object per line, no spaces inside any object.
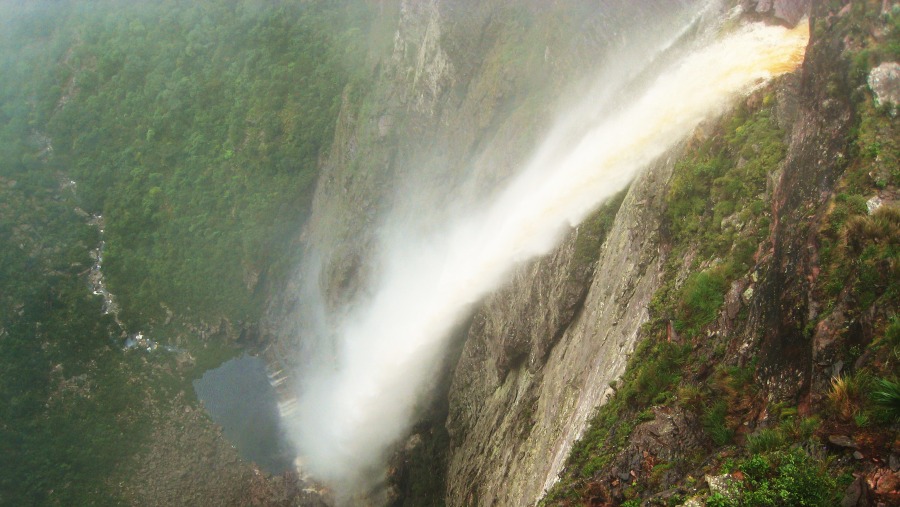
{"x":884,"y":81}
{"x":670,"y":437}
{"x":187,"y":461}
{"x":885,"y":483}
{"x":873,"y":204}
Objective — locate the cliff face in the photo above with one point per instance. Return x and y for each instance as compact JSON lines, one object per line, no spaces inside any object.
{"x":541,"y":354}
{"x":791,"y":355}
{"x":459,"y":93}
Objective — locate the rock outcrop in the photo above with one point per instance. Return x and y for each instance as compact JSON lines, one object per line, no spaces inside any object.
{"x":789,"y":12}
{"x":512,"y":425}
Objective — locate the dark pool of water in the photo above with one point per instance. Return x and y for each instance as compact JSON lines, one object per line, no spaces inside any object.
{"x":238,"y":396}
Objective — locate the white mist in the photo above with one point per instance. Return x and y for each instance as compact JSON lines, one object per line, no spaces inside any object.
{"x":350,"y":413}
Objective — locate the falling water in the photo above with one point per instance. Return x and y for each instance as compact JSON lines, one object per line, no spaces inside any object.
{"x":348,"y":415}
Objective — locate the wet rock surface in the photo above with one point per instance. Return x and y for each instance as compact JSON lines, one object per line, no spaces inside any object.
{"x":789,"y":12}
{"x":511,"y":435}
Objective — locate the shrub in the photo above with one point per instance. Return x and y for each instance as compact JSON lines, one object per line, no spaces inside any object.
{"x":690,"y":397}
{"x":807,"y":427}
{"x":780,"y":479}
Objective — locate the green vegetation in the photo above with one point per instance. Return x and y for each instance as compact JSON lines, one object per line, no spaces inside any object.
{"x":65,"y":389}
{"x":196,"y":129}
{"x":715,"y":424}
{"x":860,"y":253}
{"x":887,"y":396}
{"x":717,"y":220}
{"x":860,"y":235}
{"x":781,"y":478}
{"x":716,"y":191}
{"x":700,"y":299}
{"x":863,"y":398}
{"x":716,"y":208}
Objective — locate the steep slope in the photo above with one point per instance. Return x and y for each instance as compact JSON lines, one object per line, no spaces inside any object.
{"x":541,"y":354}
{"x":723,"y":279}
{"x":770,"y":351}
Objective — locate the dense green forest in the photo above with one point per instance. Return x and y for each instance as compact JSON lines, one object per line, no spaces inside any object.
{"x":195,"y":128}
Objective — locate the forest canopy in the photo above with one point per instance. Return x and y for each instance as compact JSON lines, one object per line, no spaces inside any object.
{"x":195,"y":128}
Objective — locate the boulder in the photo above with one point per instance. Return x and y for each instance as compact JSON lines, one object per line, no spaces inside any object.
{"x":842,"y":441}
{"x":884,"y":81}
{"x":789,"y":12}
{"x":857,"y":494}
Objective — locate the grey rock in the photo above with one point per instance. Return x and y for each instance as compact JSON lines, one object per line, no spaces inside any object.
{"x":857,"y":494}
{"x":722,"y":484}
{"x":873,"y":204}
{"x":788,"y":11}
{"x":842,"y":441}
{"x":884,"y":81}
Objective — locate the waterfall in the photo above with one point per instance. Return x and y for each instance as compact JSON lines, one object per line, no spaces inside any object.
{"x":351,"y":411}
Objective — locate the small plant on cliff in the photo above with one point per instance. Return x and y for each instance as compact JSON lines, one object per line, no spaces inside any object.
{"x":701,"y":297}
{"x":780,"y":479}
{"x":845,"y":395}
{"x":765,"y":440}
{"x":715,"y":425}
{"x":887,"y":396}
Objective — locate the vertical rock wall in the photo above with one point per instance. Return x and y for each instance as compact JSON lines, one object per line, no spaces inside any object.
{"x":537,"y":361}
{"x":460,"y":93}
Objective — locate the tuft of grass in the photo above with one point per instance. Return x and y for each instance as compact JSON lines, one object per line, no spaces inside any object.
{"x":715,"y":424}
{"x":765,"y":440}
{"x":806,"y":428}
{"x":701,"y":297}
{"x":886,"y":395}
{"x":690,"y":397}
{"x":845,"y":395}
